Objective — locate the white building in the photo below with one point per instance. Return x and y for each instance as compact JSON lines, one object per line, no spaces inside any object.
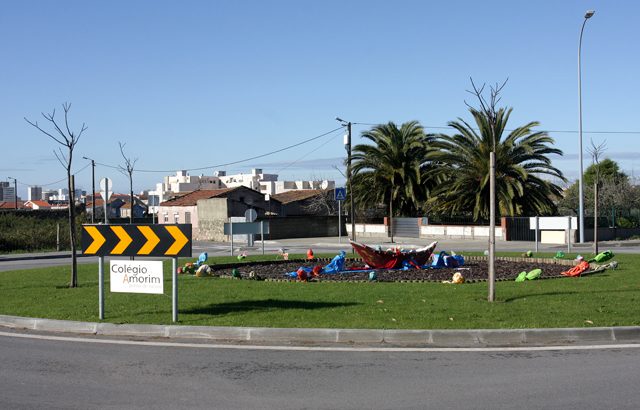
{"x":34,"y":193}
{"x":183,"y":183}
{"x":180,"y":183}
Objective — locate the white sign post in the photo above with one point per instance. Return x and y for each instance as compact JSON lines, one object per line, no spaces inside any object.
{"x":131,"y":276}
{"x":106,"y":187}
{"x":340,"y":194}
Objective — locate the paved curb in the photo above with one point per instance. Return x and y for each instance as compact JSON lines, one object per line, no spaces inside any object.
{"x":29,"y":257}
{"x":293,"y":336}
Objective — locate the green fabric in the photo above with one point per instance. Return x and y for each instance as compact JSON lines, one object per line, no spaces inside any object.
{"x":534,"y":274}
{"x":602,"y":256}
{"x":521,"y":276}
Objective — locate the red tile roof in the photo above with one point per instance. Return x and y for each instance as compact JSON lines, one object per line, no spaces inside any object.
{"x":41,"y":204}
{"x":296,"y":195}
{"x":192,"y":198}
{"x":11,"y":205}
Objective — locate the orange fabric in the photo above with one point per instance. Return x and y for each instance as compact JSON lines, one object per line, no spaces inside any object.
{"x":577,"y":270}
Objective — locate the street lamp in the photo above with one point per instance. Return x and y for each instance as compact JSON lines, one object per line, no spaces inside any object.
{"x":15,"y":191}
{"x":93,"y":188}
{"x":347,"y":144}
{"x":587,"y":16}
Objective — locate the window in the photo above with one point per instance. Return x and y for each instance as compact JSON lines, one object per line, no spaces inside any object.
{"x":166,"y":217}
{"x":176,"y":218}
{"x":187,"y":217}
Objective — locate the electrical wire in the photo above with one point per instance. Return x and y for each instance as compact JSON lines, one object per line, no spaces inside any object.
{"x":233,"y":162}
{"x":308,"y":153}
{"x":55,"y":182}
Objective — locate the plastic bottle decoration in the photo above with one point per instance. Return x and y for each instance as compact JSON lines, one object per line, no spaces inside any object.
{"x":457,"y":278}
{"x":372,"y":276}
{"x":310,"y":254}
{"x":235,"y":273}
{"x":316,"y":271}
{"x":302,"y":275}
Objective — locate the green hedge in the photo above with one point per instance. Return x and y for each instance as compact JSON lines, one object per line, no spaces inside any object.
{"x":29,"y":231}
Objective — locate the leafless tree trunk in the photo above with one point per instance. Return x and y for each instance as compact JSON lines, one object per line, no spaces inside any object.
{"x":63,"y":135}
{"x":490,"y":111}
{"x":128,"y":168}
{"x":596,"y":152}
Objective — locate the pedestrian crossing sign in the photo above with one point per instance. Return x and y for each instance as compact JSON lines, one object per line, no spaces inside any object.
{"x":340,"y":194}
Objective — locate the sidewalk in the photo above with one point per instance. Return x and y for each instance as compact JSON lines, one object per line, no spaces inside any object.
{"x":474,"y":338}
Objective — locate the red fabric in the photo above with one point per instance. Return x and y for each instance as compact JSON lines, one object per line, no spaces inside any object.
{"x":379,"y":259}
{"x":577,"y":270}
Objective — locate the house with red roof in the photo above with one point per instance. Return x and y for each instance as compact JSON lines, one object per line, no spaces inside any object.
{"x":208,"y":210}
{"x":37,"y":204}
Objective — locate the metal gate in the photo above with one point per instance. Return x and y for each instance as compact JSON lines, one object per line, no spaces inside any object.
{"x":519,"y":229}
{"x":406,"y":227}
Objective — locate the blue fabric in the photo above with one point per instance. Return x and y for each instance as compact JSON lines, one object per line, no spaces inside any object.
{"x":202,"y":258}
{"x":336,"y":265}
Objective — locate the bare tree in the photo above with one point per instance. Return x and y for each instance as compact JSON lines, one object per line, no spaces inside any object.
{"x":63,"y":135}
{"x":323,"y":203}
{"x":596,"y":153}
{"x":127,"y":169}
{"x":488,"y":108}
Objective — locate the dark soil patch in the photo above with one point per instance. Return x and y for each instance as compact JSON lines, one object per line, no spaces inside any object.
{"x":472,"y":271}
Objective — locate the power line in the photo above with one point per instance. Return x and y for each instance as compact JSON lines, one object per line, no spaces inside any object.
{"x":307,"y":154}
{"x":55,"y":182}
{"x":233,"y":162}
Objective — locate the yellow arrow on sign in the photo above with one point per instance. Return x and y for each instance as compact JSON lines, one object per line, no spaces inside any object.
{"x":180,"y":240}
{"x":125,"y":240}
{"x":98,"y":239}
{"x":152,"y":240}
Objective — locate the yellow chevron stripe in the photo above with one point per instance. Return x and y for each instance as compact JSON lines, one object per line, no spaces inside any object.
{"x":180,"y":240}
{"x":152,"y":240}
{"x":125,"y":240}
{"x":98,"y":239}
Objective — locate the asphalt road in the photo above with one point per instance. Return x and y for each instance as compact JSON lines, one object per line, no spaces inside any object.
{"x":51,"y":374}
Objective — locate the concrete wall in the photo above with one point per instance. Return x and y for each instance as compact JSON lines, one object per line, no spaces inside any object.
{"x":212,"y":215}
{"x":429,"y":231}
{"x":610,"y":234}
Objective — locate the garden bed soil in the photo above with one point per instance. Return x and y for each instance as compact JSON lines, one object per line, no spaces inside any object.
{"x":472,"y":271}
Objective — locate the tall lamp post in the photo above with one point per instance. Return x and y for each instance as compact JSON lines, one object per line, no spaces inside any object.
{"x":347,"y":144}
{"x":93,"y":188}
{"x":15,"y":191}
{"x":587,"y":16}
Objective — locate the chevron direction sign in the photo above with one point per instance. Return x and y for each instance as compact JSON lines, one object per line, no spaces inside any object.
{"x":137,"y":240}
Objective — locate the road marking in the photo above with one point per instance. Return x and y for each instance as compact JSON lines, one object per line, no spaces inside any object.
{"x":323,"y":348}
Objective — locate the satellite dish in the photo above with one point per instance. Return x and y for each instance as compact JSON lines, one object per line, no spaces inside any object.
{"x":324,"y":184}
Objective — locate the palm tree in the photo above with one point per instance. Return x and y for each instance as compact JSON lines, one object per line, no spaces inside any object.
{"x":521,"y":162}
{"x":392,"y":169}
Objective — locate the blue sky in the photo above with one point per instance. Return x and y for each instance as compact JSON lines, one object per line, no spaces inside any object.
{"x":201,"y":84}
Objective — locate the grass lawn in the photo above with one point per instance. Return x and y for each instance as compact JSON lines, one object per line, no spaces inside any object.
{"x":611,"y":298}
